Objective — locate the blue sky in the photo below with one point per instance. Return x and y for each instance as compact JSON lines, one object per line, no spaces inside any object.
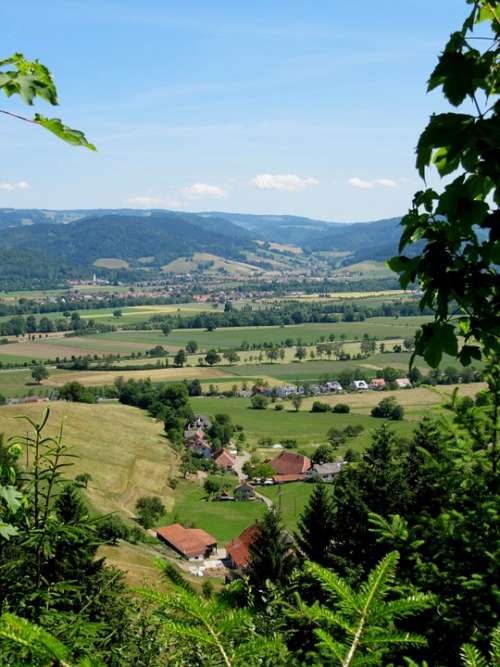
{"x":306,"y":108}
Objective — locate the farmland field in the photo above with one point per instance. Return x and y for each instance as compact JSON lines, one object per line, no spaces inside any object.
{"x":121,"y":447}
{"x":233,"y":337}
{"x":305,"y":427}
{"x":224,"y":520}
{"x":290,"y":499}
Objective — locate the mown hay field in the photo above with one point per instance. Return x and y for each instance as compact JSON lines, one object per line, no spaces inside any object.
{"x":123,"y":449}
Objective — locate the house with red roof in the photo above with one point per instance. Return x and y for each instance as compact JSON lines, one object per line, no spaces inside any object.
{"x":190,"y":543}
{"x":224,"y":459}
{"x":377,"y":384}
{"x":238,"y":550}
{"x":290,"y":467}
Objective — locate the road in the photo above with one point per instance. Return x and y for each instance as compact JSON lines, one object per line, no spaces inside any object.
{"x":241,"y":459}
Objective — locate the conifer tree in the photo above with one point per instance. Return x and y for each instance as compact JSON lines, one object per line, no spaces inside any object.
{"x":272,"y":556}
{"x":315,"y":528}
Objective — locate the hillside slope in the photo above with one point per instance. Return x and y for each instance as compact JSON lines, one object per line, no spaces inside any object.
{"x":163,"y":237}
{"x":121,"y":447}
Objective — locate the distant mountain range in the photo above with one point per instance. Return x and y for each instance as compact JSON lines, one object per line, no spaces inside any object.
{"x":74,"y":240}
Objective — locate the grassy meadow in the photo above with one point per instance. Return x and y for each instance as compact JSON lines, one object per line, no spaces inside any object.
{"x":123,"y":449}
{"x":223,"y":520}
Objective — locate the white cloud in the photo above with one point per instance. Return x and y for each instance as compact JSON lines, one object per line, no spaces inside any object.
{"x":361,"y":184}
{"x":148,"y":201}
{"x":20,"y":185}
{"x":386,"y":183}
{"x":286,"y":182}
{"x":200,"y":190}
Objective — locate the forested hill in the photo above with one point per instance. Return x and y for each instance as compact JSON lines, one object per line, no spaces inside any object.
{"x":162,"y":237}
{"x":78,"y":241}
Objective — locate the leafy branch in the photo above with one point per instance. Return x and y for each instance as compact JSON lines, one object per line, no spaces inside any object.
{"x":29,"y":80}
{"x":360,"y":626}
{"x":458,"y":267}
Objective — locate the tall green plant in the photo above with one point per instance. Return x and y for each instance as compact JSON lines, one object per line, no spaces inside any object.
{"x":457,"y":269}
{"x":358,"y":628}
{"x":209,"y":632}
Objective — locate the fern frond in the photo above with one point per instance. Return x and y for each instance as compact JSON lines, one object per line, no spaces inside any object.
{"x":331,"y":582}
{"x":471,"y":657}
{"x":40,"y":642}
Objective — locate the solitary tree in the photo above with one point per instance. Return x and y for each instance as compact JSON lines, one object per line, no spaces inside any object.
{"x":296,"y":401}
{"x":39,"y":373}
{"x":212,"y":357}
{"x":180,"y":358}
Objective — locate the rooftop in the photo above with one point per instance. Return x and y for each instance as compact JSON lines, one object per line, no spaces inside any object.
{"x":239,"y":548}
{"x":289,"y":463}
{"x":188,"y":541}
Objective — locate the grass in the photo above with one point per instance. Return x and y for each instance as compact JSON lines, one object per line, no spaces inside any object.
{"x":234,"y":337}
{"x":223,"y":520}
{"x":187,"y":265}
{"x":121,"y":447}
{"x":111,"y":263}
{"x":290,"y":499}
{"x":305,"y":427}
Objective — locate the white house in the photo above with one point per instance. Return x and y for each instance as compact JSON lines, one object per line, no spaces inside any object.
{"x":286,"y":390}
{"x":334,"y":386}
{"x":359,"y":385}
{"x":325,"y":471}
{"x":403,"y":383}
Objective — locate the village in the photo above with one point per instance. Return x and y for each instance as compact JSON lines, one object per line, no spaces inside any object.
{"x":199,"y":551}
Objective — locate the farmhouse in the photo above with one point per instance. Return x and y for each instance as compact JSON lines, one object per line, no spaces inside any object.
{"x":403,"y":383}
{"x":377,"y":384}
{"x":290,"y":467}
{"x":238,"y":550}
{"x":334,"y":386}
{"x":224,"y":459}
{"x":325,"y":471}
{"x":286,"y":390}
{"x":200,"y":447}
{"x":190,"y":543}
{"x":359,"y":385}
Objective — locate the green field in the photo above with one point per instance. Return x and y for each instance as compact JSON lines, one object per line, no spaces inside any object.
{"x":233,"y":337}
{"x":315,"y":370}
{"x":305,"y":427}
{"x":133,"y":314}
{"x":290,"y":499}
{"x":224,"y":520}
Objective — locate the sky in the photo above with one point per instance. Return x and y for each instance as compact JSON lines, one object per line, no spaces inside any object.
{"x":277,"y":106}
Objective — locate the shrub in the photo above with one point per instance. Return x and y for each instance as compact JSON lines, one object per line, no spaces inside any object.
{"x":259,"y":402}
{"x":112,"y":528}
{"x":279,"y":407}
{"x":388,"y":408}
{"x":341,"y":408}
{"x":149,"y":509}
{"x":319,"y":406}
{"x":353,"y":430}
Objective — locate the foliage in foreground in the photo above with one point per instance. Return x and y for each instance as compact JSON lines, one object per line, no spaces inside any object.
{"x":30,"y":79}
{"x":458,"y":267}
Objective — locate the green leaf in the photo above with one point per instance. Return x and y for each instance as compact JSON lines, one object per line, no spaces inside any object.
{"x":71,"y":136}
{"x":11,"y":496}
